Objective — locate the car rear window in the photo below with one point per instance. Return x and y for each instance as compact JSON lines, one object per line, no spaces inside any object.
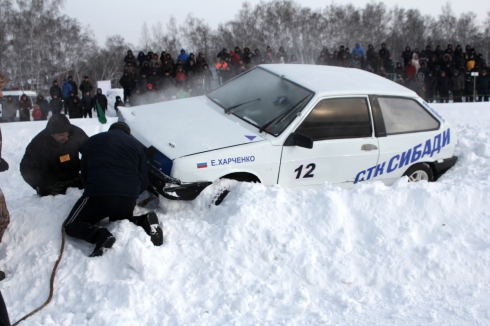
{"x":338,"y":118}
{"x":403,"y":115}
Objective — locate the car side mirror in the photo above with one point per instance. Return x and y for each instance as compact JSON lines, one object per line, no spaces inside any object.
{"x":303,"y":141}
{"x":300,"y":140}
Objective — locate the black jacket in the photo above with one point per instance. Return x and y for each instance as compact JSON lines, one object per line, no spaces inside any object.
{"x":102,"y":99}
{"x":56,"y":105}
{"x":87,"y":103}
{"x":114,"y":164}
{"x":42,"y":161}
{"x":85,"y":87}
{"x":74,"y":87}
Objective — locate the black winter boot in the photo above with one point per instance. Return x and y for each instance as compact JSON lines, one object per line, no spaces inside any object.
{"x":105,"y":240}
{"x":149,"y":223}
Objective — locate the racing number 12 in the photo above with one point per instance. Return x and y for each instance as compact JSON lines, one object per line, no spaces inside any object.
{"x":308,"y":174}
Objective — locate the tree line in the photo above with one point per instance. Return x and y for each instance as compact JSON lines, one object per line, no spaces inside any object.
{"x":38,"y":43}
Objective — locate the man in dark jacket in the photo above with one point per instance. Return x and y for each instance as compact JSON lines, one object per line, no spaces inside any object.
{"x":443,"y":87}
{"x":101,"y":99}
{"x":118,"y":103}
{"x":114,"y":174}
{"x":55,"y":89}
{"x":76,"y":108}
{"x":127,"y":83}
{"x":74,"y":86}
{"x":87,"y":104}
{"x":43,"y":106}
{"x":483,"y":86}
{"x":56,"y":105}
{"x":50,"y":164}
{"x":85,"y":86}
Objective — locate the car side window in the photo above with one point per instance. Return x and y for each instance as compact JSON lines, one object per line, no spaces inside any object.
{"x":338,"y":118}
{"x":402,"y":115}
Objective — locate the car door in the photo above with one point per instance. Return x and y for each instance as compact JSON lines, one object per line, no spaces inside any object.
{"x":408,"y":131}
{"x":343,"y":145}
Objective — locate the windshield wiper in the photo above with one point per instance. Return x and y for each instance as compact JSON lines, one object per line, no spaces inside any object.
{"x":228,"y":110}
{"x":284,"y":115}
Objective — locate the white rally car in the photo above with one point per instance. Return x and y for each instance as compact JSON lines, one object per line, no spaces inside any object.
{"x":298,"y":126}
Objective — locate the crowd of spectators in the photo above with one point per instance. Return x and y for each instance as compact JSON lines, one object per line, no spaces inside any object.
{"x":436,"y":75}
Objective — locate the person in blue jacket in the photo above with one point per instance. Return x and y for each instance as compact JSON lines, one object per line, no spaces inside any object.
{"x":183,"y":56}
{"x":359,"y":50}
{"x":114,"y":174}
{"x":65,"y":94}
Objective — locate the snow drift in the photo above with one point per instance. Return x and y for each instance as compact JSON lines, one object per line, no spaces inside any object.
{"x":410,"y":254}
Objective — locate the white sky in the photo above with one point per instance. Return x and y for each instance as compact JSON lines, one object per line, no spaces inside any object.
{"x":126,"y":18}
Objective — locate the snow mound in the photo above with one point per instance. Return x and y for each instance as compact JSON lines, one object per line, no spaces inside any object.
{"x":410,"y":254}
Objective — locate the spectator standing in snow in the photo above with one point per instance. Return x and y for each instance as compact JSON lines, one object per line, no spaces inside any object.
{"x":74,"y":86}
{"x":55,"y":89}
{"x":56,"y":105}
{"x":85,"y":86}
{"x":101,"y":99}
{"x":65,"y":94}
{"x":43,"y":106}
{"x":114,"y":174}
{"x":126,"y":82}
{"x":25,"y":107}
{"x":87,"y":104}
{"x":359,"y":50}
{"x":118,"y":103}
{"x":482,"y":86}
{"x":50,"y":164}
{"x":76,"y":108}
{"x":182,"y":56}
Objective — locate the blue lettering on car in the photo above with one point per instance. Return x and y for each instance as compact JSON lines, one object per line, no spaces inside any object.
{"x":230,"y":160}
{"x":409,"y":156}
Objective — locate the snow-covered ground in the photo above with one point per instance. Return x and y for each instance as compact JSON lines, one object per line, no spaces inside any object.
{"x":410,"y":254}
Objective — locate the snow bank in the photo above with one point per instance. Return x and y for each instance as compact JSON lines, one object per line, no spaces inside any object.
{"x":410,"y":254}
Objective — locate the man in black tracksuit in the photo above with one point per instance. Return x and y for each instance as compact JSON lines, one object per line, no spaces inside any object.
{"x":50,"y":164}
{"x":114,"y":173}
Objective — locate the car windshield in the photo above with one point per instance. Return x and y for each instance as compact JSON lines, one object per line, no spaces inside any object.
{"x":260,"y":98}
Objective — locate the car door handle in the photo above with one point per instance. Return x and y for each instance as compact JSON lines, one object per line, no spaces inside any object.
{"x":368,"y":147}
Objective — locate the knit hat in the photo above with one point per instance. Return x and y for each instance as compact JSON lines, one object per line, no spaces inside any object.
{"x":121,"y":125}
{"x":58,"y":124}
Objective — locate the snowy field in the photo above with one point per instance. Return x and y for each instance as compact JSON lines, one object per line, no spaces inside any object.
{"x":410,"y":254}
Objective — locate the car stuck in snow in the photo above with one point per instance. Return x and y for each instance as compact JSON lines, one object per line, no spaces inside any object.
{"x":298,"y":126}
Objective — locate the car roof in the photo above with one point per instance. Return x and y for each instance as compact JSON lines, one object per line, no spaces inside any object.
{"x":328,"y":80}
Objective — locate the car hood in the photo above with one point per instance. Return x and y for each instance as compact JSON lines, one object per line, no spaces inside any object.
{"x":188,"y":126}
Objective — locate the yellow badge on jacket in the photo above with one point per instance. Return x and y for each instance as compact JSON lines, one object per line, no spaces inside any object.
{"x":65,"y":158}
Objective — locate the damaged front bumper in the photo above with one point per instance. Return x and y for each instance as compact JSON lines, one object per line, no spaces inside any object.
{"x":172,"y":188}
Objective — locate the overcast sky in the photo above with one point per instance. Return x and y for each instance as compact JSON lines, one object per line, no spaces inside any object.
{"x":126,"y":18}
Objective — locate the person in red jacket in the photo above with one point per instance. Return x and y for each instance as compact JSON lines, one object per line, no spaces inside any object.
{"x":410,"y":70}
{"x":180,"y":77}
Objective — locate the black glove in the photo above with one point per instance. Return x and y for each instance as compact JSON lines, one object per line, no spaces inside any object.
{"x":4,"y":166}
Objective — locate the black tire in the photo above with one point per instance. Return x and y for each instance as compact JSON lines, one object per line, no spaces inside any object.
{"x":419,"y":172}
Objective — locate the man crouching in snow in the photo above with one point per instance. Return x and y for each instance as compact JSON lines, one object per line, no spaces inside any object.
{"x":114,"y":173}
{"x":50,"y":164}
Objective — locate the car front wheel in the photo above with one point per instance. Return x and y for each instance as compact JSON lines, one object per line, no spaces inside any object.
{"x":419,"y":172}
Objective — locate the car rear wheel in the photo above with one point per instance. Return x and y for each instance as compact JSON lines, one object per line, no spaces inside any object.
{"x":419,"y":172}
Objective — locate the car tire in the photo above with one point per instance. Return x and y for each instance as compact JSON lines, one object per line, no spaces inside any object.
{"x":419,"y":172}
